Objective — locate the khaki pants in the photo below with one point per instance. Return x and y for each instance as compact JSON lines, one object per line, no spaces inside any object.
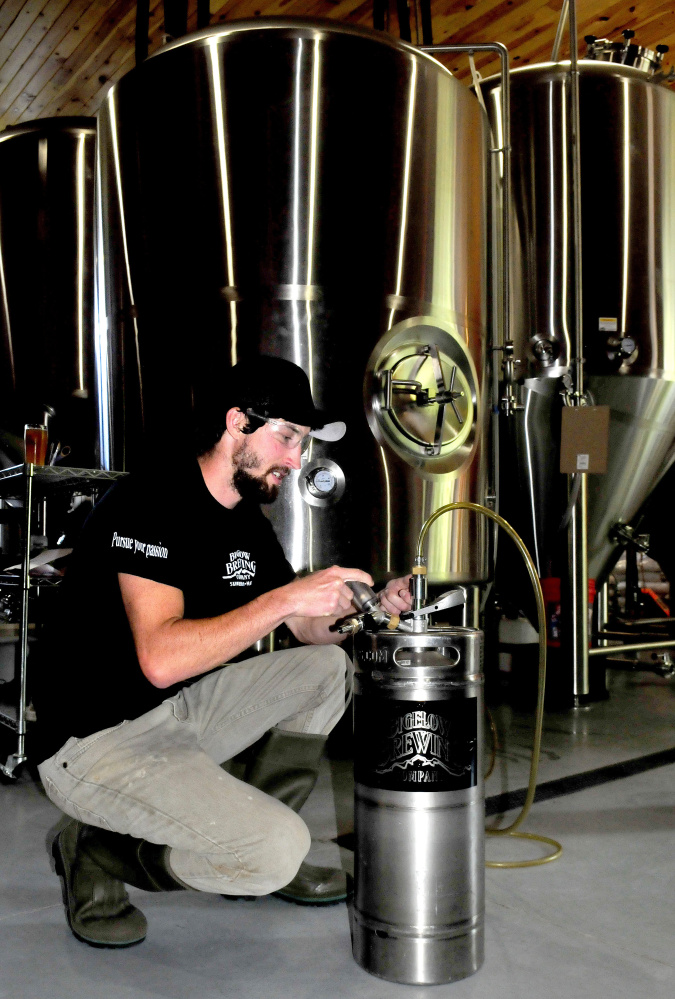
{"x":158,"y":777}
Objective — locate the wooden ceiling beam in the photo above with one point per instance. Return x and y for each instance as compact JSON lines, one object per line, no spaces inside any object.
{"x":20,"y":26}
{"x":15,"y":91}
{"x":63,"y":68}
{"x":84,"y":91}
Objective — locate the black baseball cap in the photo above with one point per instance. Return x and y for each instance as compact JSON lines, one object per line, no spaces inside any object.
{"x":278,"y":389}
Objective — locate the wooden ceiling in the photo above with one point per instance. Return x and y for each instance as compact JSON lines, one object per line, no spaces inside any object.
{"x":59,"y":57}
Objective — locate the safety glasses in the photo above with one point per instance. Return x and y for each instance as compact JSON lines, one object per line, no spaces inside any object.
{"x":285,"y":433}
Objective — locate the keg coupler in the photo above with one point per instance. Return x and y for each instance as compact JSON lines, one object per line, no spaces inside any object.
{"x":419,"y":811}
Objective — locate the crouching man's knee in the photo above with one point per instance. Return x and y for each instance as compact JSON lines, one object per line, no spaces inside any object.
{"x":284,"y":848}
{"x":266,"y":862}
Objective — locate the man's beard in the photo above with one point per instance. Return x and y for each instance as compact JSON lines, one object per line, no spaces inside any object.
{"x":252,"y":487}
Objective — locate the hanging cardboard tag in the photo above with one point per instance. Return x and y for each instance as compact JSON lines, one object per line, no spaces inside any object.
{"x":584,"y":439}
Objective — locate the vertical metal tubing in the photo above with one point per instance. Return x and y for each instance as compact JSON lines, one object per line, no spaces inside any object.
{"x":576,"y":199}
{"x":601,"y":613}
{"x":266,"y":644}
{"x":555,"y":54}
{"x":505,"y":150}
{"x":418,"y":585}
{"x":578,"y":546}
{"x":23,"y":638}
{"x":471,"y":612}
{"x":600,"y":621}
{"x":503,"y":54}
{"x":631,"y":607}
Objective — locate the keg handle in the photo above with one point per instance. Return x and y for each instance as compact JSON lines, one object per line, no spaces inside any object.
{"x":451,"y":598}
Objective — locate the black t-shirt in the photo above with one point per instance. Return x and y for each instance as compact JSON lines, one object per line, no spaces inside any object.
{"x":171,"y":531}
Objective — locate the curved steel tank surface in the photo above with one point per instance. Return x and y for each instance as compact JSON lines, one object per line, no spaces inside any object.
{"x":315,"y":191}
{"x":628,"y":239}
{"x":47,"y":283}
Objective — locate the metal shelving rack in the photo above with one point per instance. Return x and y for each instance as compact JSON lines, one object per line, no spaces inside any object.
{"x":30,"y":483}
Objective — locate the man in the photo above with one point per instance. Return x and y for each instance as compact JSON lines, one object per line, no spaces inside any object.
{"x":174,"y":576}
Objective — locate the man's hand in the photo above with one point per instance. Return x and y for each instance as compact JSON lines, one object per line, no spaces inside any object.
{"x":325,"y":593}
{"x":395,"y":597}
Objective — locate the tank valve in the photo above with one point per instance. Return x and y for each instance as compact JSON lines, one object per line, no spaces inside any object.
{"x":509,"y":403}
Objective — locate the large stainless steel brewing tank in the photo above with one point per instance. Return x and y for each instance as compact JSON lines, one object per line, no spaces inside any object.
{"x":315,"y":191}
{"x":628,"y":241}
{"x":47,"y":280}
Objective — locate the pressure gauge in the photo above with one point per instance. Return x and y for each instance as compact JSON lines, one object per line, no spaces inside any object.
{"x":321,"y":482}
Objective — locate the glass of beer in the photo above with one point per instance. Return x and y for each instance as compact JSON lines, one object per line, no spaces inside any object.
{"x":35,"y":441}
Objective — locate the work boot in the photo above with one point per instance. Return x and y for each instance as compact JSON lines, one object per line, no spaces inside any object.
{"x":286,"y":767}
{"x":139,"y":863}
{"x":98,"y":909}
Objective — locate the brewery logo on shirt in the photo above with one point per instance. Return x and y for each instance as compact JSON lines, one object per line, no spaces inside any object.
{"x":240,"y":569}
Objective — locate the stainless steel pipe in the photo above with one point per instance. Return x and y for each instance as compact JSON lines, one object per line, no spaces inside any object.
{"x":503,"y":147}
{"x":632,"y":647}
{"x":564,"y":11}
{"x":578,"y":588}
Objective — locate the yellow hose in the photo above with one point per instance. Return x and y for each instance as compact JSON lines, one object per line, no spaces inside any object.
{"x":541,"y":686}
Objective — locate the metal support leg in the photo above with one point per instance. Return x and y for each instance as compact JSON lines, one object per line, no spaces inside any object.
{"x":600,"y":622}
{"x":632,"y":601}
{"x":15,"y":759}
{"x":601,"y":613}
{"x":25,"y":613}
{"x":578,"y":562}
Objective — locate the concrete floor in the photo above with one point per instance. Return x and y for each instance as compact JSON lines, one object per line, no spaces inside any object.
{"x":598,"y":922}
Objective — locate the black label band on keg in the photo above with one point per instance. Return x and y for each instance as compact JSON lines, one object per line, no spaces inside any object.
{"x":416,"y":745}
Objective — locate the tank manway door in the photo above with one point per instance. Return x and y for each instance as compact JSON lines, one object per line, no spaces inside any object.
{"x":421,"y":396}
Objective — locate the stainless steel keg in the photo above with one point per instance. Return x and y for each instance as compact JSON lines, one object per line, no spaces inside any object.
{"x":419,"y":805}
